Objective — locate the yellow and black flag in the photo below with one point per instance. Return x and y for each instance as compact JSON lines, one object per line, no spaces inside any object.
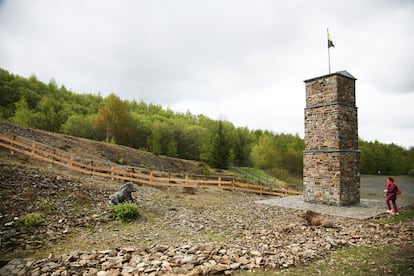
{"x":330,"y":42}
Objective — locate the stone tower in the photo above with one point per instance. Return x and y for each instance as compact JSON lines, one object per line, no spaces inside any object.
{"x":331,"y":156}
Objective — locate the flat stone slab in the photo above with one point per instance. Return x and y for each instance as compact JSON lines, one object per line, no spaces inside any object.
{"x":367,"y":208}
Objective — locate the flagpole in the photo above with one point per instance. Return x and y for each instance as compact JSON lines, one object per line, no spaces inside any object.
{"x":329,"y":53}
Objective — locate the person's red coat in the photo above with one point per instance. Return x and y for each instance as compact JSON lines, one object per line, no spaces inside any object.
{"x":391,"y":193}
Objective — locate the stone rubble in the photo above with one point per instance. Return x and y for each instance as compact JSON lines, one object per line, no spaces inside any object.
{"x":40,"y":192}
{"x":294,"y":244}
{"x":248,"y":236}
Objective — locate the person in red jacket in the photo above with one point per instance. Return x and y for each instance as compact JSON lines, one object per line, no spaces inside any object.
{"x":391,"y":195}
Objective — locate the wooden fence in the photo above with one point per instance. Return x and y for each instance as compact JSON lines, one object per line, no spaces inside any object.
{"x":137,"y":175}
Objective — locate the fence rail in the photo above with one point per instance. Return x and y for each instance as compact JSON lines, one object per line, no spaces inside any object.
{"x":137,"y":175}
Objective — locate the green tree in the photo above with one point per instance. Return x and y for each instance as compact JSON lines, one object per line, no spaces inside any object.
{"x":264,"y":154}
{"x":189,"y":141}
{"x":23,"y":114}
{"x":221,"y":148}
{"x":290,"y":148}
{"x":242,"y":144}
{"x":410,"y":161}
{"x":385,"y":158}
{"x":171,"y":148}
{"x":8,"y":94}
{"x":155,"y":138}
{"x":168,"y":139}
{"x":379,"y":156}
{"x":141,"y":130}
{"x":113,"y":120}
{"x":80,"y":125}
{"x":367,"y":158}
{"x":51,"y":114}
{"x":206,"y":150}
{"x":292,"y":161}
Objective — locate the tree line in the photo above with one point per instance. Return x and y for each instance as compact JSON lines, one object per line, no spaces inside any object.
{"x":30,"y":102}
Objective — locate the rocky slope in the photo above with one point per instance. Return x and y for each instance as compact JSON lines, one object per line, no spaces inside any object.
{"x":104,"y":152}
{"x":200,"y":233}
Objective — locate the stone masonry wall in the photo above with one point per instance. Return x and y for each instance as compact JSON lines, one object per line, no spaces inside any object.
{"x":334,"y":88}
{"x":332,"y":177}
{"x":331,"y":127}
{"x":331,"y":156}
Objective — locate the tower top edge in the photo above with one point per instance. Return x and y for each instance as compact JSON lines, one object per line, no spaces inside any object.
{"x":343,"y":73}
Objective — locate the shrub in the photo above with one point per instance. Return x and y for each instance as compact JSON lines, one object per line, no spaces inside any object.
{"x":205,"y":170}
{"x":31,"y":220}
{"x":46,"y":206}
{"x":126,"y":211}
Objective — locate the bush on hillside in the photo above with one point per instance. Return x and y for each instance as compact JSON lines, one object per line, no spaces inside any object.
{"x":31,"y":220}
{"x":126,"y":211}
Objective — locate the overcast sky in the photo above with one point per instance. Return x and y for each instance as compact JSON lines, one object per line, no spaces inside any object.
{"x":241,"y":61}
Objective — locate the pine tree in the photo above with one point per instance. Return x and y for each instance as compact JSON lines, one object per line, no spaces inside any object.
{"x":221,"y":149}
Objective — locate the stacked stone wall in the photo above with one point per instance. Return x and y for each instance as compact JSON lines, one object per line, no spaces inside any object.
{"x":350,"y":178}
{"x":331,"y":127}
{"x":331,"y":177}
{"x":330,"y":89}
{"x":331,"y":156}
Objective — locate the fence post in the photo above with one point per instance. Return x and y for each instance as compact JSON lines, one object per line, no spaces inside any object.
{"x":186,"y":180}
{"x":53,"y":156}
{"x":169,"y":181}
{"x":71,"y":160}
{"x":131,"y":173}
{"x":151,"y":177}
{"x":219,"y":181}
{"x":33,"y":149}
{"x":13,"y":144}
{"x":91,"y":168}
{"x":112,"y":172}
